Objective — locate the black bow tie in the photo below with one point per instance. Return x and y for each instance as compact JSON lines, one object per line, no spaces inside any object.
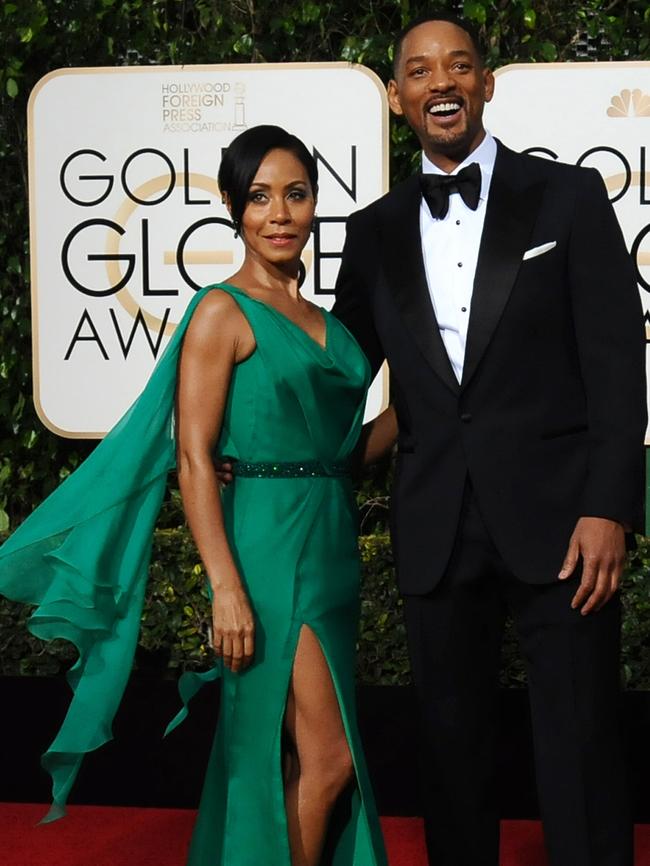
{"x":436,"y":189}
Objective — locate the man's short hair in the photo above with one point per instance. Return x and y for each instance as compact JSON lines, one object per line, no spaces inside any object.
{"x":465,"y":25}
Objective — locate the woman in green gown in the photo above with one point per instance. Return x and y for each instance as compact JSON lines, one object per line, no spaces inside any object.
{"x":257,"y":373}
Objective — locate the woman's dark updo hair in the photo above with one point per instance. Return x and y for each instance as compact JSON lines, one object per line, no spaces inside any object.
{"x":243,"y":157}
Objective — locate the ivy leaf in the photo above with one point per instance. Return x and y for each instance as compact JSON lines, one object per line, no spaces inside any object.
{"x":310,"y":12}
{"x":475,"y":11}
{"x":548,"y":51}
{"x":12,"y":88}
{"x":244,"y":44}
{"x":530,"y":18}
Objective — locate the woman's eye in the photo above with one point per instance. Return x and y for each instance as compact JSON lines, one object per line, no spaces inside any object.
{"x":297,"y":194}
{"x":256,"y":197}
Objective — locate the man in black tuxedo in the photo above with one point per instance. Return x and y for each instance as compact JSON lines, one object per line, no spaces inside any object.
{"x":498,"y":287}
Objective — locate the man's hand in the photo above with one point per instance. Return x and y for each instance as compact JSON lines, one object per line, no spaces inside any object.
{"x":601,"y":545}
{"x":223,"y":468}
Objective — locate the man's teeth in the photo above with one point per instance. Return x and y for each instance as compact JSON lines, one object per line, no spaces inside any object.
{"x":444,"y":106}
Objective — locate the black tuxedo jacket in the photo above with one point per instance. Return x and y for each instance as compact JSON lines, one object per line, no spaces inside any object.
{"x":549,"y":419}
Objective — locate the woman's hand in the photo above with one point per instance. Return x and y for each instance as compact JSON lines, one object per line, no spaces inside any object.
{"x":233,"y":628}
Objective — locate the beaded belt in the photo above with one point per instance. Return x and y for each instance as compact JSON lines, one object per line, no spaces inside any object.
{"x":306,"y":469}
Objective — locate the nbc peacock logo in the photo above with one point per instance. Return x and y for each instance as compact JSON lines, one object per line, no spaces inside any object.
{"x":630,"y":103}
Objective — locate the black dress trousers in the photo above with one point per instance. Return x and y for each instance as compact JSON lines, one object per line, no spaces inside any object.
{"x":454,"y":636}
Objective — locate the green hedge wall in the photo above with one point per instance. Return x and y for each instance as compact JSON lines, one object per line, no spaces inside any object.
{"x":37,"y":36}
{"x":177,"y":613}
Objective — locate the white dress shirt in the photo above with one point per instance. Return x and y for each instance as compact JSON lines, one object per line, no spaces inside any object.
{"x":450,"y":251}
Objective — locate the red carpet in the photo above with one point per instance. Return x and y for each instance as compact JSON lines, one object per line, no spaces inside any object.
{"x":112,"y":836}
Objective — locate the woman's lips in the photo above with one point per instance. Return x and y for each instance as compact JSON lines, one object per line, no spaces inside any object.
{"x":280,"y":240}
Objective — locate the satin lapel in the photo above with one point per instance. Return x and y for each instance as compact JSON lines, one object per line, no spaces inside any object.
{"x":509,"y":220}
{"x":404,"y":269}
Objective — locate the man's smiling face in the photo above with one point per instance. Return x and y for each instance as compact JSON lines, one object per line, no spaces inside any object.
{"x":440,"y":87}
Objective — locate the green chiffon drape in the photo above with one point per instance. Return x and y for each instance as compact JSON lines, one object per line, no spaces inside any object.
{"x":83,"y":556}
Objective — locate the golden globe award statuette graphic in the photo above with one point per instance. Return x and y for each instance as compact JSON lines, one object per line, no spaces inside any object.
{"x":607,"y":128}
{"x":127,"y":222}
{"x":240,"y":107}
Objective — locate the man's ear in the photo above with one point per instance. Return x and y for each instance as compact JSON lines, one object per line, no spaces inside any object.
{"x":488,"y":84}
{"x":393,"y":97}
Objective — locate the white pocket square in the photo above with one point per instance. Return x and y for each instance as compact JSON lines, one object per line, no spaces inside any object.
{"x":538,"y":251}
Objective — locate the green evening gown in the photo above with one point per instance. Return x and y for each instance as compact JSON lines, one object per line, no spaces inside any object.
{"x":292,"y":420}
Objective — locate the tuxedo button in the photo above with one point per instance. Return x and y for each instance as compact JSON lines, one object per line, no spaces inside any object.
{"x":466,"y":417}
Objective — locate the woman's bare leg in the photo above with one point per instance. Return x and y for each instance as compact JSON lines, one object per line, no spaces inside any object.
{"x":321,"y":764}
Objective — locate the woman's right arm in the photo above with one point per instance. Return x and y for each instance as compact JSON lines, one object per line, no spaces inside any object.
{"x":217,"y":338}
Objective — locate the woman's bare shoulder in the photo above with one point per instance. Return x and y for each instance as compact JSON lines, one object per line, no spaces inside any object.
{"x":217,"y":314}
{"x":217,"y":304}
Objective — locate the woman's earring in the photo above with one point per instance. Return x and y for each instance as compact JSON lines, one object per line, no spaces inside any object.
{"x":302,"y":273}
{"x":237,"y":226}
{"x":314,"y":223}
